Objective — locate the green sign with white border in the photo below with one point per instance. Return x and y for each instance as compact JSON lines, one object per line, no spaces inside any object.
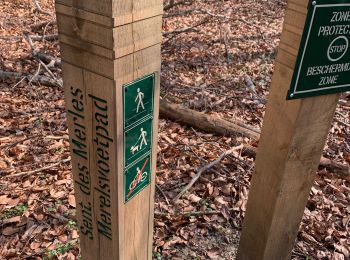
{"x":323,"y":62}
{"x":137,"y":177}
{"x":138,"y":100}
{"x":137,"y":140}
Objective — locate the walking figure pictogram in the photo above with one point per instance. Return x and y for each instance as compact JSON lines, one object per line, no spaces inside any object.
{"x":141,"y":141}
{"x":139,"y":99}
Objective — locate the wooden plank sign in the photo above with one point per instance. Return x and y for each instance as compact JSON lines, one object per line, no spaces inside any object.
{"x":323,"y":62}
{"x":287,"y":163}
{"x":111,"y":66}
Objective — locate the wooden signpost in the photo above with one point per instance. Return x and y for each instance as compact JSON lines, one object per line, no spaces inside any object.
{"x":111,"y":65}
{"x":294,"y":131}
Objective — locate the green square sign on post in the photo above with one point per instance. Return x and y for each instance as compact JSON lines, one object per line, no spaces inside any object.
{"x":323,"y":62}
{"x":138,"y":100}
{"x":138,"y":121}
{"x":137,"y":177}
{"x":137,"y":141}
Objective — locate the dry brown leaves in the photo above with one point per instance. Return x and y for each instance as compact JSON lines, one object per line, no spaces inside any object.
{"x":204,"y":69}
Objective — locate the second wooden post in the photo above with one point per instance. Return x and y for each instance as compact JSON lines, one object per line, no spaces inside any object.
{"x":111,"y":67}
{"x":312,"y":60}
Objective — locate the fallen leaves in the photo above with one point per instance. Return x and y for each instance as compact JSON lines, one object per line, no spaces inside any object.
{"x":204,"y":70}
{"x":71,"y":201}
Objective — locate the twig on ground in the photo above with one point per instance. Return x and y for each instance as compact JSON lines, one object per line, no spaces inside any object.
{"x":189,"y":213}
{"x":19,"y":82}
{"x":40,"y":79}
{"x":42,"y":56}
{"x":59,"y":81}
{"x":179,"y":13}
{"x":50,"y":137}
{"x":187,"y":29}
{"x":49,"y":37}
{"x":39,"y":9}
{"x":38,"y":170}
{"x":252,"y":89}
{"x":36,"y":74}
{"x":38,"y":26}
{"x":162,"y":192}
{"x":172,"y":4}
{"x":341,"y":122}
{"x":18,"y":142}
{"x":205,"y":168}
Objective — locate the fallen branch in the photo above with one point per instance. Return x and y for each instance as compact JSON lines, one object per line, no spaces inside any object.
{"x":47,"y":81}
{"x":252,"y":89}
{"x":187,"y":29}
{"x":204,"y":169}
{"x":189,"y":213}
{"x":340,"y":169}
{"x":335,"y":167}
{"x":17,"y":142}
{"x":213,"y":124}
{"x":179,"y":13}
{"x":172,"y":4}
{"x":38,"y":26}
{"x":38,"y":170}
{"x":39,"y":9}
{"x":50,"y":137}
{"x":207,"y":123}
{"x":42,"y":56}
{"x":162,"y":192}
{"x":49,"y":37}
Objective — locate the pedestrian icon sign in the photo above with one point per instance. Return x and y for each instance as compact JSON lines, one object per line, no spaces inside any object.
{"x":138,"y":100}
{"x":137,"y":141}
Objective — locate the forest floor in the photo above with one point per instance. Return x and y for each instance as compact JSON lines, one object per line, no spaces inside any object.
{"x":204,"y":69}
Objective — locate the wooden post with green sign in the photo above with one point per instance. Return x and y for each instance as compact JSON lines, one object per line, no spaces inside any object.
{"x":111,"y":67}
{"x":312,"y":63}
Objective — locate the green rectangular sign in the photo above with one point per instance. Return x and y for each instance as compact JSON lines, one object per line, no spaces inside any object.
{"x":138,"y":130}
{"x":137,"y":140}
{"x":138,"y":99}
{"x":137,"y":177}
{"x":323,"y":61}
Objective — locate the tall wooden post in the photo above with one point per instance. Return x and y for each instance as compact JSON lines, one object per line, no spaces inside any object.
{"x":292,"y":140}
{"x":111,"y":66}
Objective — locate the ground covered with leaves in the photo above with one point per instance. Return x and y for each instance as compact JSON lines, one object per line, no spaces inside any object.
{"x":211,"y":49}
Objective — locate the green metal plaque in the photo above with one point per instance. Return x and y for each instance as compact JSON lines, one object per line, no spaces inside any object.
{"x":137,"y":177}
{"x":138,"y":100}
{"x":323,"y":61}
{"x":137,"y":140}
{"x":138,"y":97}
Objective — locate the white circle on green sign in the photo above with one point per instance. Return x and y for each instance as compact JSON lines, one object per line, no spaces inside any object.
{"x":337,"y":48}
